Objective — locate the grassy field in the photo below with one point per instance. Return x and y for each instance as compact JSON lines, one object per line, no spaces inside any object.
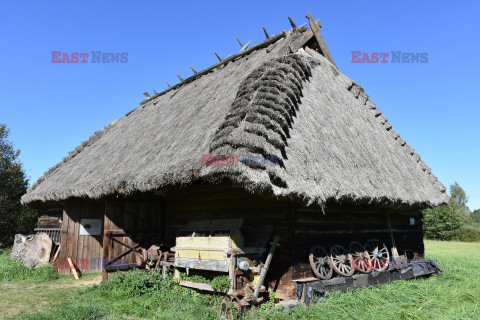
{"x":453,"y":295}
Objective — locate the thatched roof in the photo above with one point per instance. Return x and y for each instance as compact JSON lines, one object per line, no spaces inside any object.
{"x":325,"y":139}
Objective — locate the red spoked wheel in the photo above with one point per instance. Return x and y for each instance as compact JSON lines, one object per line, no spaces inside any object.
{"x":378,"y":254}
{"x":320,"y":262}
{"x":342,"y":261}
{"x":360,"y":256}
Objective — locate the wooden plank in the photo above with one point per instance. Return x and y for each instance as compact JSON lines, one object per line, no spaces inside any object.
{"x":75,"y":231}
{"x":265,"y":268}
{"x":301,"y":41}
{"x":98,"y":240}
{"x":64,"y":235}
{"x":55,"y":256}
{"x":70,"y":235}
{"x":323,"y":47}
{"x":106,"y":248}
{"x":73,"y":269}
{"x":306,"y":279}
{"x":83,"y":209}
{"x":198,"y":285}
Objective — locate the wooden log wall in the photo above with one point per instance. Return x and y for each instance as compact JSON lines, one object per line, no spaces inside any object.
{"x":163,"y":214}
{"x":85,"y":251}
{"x":227,"y":201}
{"x":341,"y":226}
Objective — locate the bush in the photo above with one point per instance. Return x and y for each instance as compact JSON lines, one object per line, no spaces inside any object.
{"x":441,"y":223}
{"x":13,"y":271}
{"x":468,"y":234}
{"x":133,"y":283}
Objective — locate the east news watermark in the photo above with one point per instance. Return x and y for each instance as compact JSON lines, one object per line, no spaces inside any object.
{"x":389,"y":57}
{"x":89,"y":57}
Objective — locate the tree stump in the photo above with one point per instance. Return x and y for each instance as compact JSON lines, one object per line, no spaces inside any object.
{"x":32,"y":251}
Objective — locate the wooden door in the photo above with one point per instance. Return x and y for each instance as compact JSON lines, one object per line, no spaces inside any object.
{"x":128,"y":226}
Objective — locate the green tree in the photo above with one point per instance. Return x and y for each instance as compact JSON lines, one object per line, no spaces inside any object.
{"x":476,"y":215}
{"x":458,"y":199}
{"x":14,"y":217}
{"x":444,"y":222}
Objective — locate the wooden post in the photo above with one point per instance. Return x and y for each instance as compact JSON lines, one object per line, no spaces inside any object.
{"x":263,"y":273}
{"x":164,"y":272}
{"x":176,"y":273}
{"x":106,"y":240}
{"x":294,"y":26}
{"x":240,"y":42}
{"x":231,"y":272}
{"x":394,"y":246}
{"x":266,"y":33}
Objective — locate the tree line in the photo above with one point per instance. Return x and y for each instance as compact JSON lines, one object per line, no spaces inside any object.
{"x":14,"y":217}
{"x":454,"y":220}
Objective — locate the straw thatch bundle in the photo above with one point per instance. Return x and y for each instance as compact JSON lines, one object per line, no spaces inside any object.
{"x":323,"y":138}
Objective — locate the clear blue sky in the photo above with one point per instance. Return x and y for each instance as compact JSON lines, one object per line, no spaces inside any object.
{"x":51,"y":108}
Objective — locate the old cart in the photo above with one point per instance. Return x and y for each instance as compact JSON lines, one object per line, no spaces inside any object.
{"x":228,"y":246}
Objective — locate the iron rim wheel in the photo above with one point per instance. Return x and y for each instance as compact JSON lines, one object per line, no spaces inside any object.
{"x":360,"y":256}
{"x":342,"y":261}
{"x":320,"y":262}
{"x":229,"y":309}
{"x":378,"y":254}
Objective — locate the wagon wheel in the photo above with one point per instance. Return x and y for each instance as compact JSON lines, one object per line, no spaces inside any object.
{"x":360,"y":256}
{"x":230,"y":308}
{"x":341,"y":261}
{"x":378,"y":253}
{"x":320,"y":262}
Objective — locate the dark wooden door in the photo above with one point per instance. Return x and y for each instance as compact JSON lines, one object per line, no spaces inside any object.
{"x":129,"y":225}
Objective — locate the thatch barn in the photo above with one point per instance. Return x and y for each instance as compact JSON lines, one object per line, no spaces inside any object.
{"x":274,"y":134}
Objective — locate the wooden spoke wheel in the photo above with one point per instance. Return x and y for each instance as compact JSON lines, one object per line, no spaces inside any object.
{"x":360,"y":256}
{"x":320,"y":262}
{"x":378,"y":254}
{"x":342,"y":261}
{"x":230,"y":308}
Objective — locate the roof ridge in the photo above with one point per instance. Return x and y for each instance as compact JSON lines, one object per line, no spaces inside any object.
{"x":311,"y":31}
{"x":359,"y":93}
{"x":228,"y":59}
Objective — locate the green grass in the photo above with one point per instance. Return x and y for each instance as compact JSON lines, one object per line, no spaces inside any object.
{"x":134,"y":295}
{"x":14,"y":271}
{"x":33,"y":296}
{"x":453,"y":295}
